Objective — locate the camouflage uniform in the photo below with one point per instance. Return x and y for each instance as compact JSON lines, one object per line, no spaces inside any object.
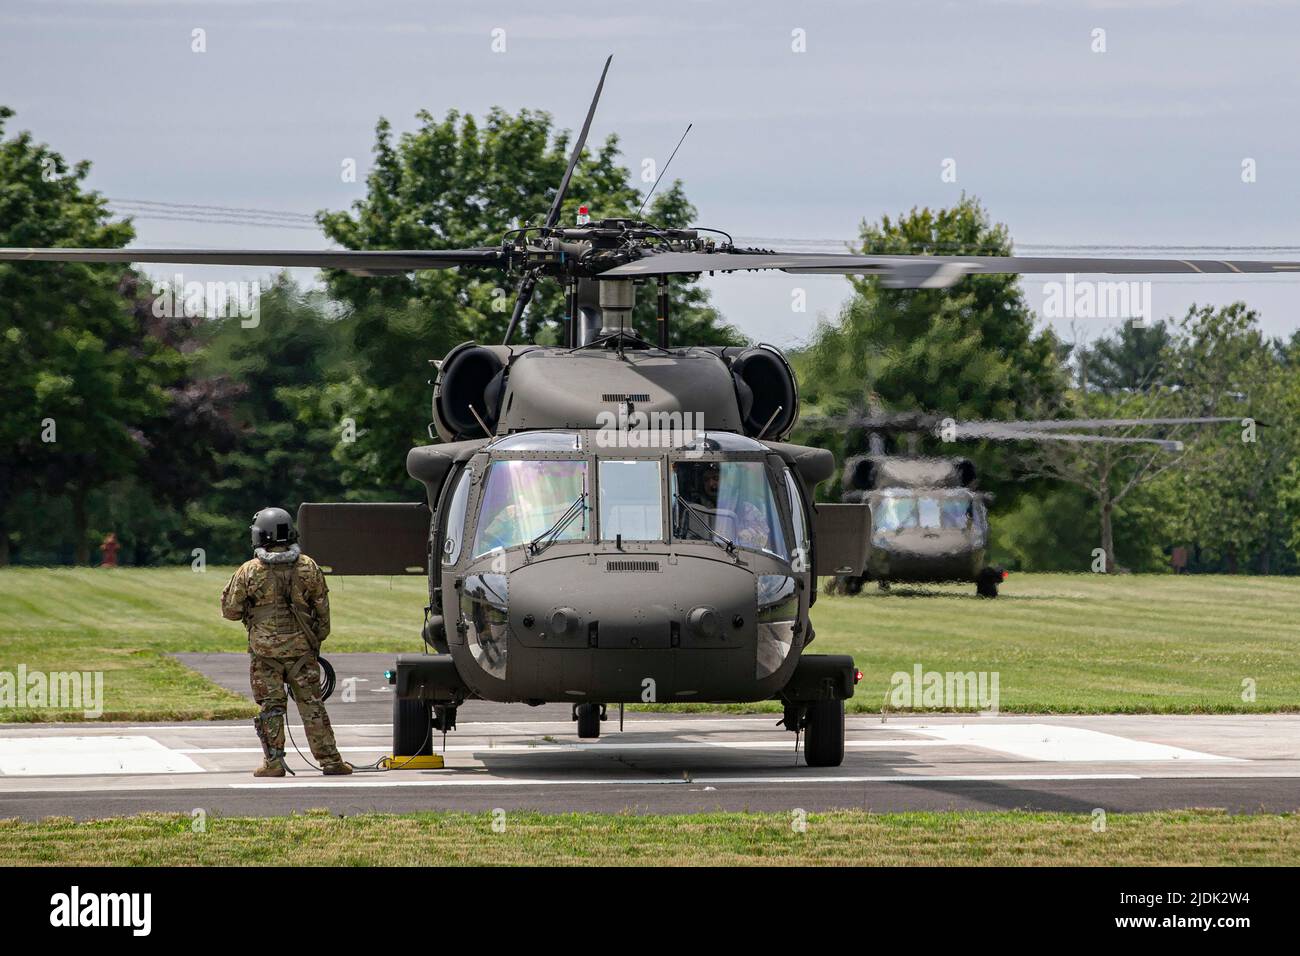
{"x":280,"y":652}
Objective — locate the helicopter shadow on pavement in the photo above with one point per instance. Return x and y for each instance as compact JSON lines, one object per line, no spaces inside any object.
{"x":686,"y":754}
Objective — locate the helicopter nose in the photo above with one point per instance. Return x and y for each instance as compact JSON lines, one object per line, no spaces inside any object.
{"x":691,"y":603}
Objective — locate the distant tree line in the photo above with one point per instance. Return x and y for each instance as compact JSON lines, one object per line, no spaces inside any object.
{"x":1227,"y":503}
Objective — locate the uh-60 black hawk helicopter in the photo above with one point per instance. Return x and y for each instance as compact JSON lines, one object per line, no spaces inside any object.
{"x":929,"y":520}
{"x":585,"y":542}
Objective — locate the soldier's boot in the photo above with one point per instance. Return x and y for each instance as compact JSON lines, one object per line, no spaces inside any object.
{"x":340,"y":769}
{"x":270,"y":768}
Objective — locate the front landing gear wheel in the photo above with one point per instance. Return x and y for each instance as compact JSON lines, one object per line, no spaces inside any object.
{"x":824,"y":743}
{"x":588,"y":717}
{"x":986,"y":585}
{"x":412,"y":728}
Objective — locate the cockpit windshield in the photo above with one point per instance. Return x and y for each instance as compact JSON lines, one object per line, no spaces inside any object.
{"x":524,"y":500}
{"x":537,"y":502}
{"x":727,"y":501}
{"x":899,"y":512}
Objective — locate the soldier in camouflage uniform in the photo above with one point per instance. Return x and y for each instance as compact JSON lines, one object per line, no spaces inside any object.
{"x":281,"y":597}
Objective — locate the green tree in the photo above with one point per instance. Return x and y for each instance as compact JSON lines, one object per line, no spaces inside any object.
{"x":278,"y":365}
{"x":1230,"y":499}
{"x":77,"y":377}
{"x":1108,"y":474}
{"x":1131,"y":359}
{"x":969,"y":351}
{"x":1220,"y":493}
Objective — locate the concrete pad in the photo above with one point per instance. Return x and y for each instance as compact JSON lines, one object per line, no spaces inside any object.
{"x":1059,"y":743}
{"x":90,"y":756}
{"x":675,"y":763}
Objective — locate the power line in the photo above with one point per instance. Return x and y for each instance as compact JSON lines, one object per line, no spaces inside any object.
{"x":222,"y":221}
{"x":200,"y":207}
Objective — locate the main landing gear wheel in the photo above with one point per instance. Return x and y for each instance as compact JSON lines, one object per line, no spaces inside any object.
{"x":986,"y":585}
{"x":412,"y":728}
{"x":589,"y":717}
{"x":824,"y":734}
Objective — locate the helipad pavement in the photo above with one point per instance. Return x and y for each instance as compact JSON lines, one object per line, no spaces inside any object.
{"x":668,"y":763}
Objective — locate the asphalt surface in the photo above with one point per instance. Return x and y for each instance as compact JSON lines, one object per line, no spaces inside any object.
{"x":516,"y":757}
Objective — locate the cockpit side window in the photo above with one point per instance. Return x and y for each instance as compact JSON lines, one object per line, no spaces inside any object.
{"x":524,"y":499}
{"x":730,"y":499}
{"x":454,"y":524}
{"x":797,"y":515}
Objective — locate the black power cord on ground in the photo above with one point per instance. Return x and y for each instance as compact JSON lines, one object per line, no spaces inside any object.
{"x":366,"y":768}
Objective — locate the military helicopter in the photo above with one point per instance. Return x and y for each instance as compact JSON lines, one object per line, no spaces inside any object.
{"x":615,"y":520}
{"x":929,"y":522}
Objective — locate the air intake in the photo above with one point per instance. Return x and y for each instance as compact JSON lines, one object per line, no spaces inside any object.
{"x":632,"y":566}
{"x":626,"y":397}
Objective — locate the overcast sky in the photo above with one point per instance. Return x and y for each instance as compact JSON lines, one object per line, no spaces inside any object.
{"x":1142,"y":144}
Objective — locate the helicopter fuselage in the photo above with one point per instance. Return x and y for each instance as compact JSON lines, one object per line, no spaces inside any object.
{"x":927,"y":523}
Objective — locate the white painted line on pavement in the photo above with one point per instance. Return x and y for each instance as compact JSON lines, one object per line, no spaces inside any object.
{"x":669,"y":781}
{"x":609,"y":748}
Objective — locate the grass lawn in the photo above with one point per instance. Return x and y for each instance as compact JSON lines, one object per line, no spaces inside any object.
{"x":1084,"y":643}
{"x":1060,"y":643}
{"x":845,"y":837}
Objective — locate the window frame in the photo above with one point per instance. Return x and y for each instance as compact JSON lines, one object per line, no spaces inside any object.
{"x":463,"y":478}
{"x":798,"y":514}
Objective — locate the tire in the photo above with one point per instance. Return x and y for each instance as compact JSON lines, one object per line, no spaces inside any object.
{"x":853,"y":585}
{"x":588,"y":721}
{"x":986,"y":585}
{"x":824,"y":740}
{"x":412,"y":728}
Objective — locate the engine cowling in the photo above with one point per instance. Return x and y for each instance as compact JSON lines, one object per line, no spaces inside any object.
{"x":766,"y":389}
{"x":863,"y":473}
{"x":470,"y":375}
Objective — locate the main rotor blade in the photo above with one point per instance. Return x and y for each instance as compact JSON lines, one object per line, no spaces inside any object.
{"x":1063,"y":423}
{"x":1013,"y":434}
{"x":1044,"y":430}
{"x":365,"y":262}
{"x":911,"y":272}
{"x":554,"y":215}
